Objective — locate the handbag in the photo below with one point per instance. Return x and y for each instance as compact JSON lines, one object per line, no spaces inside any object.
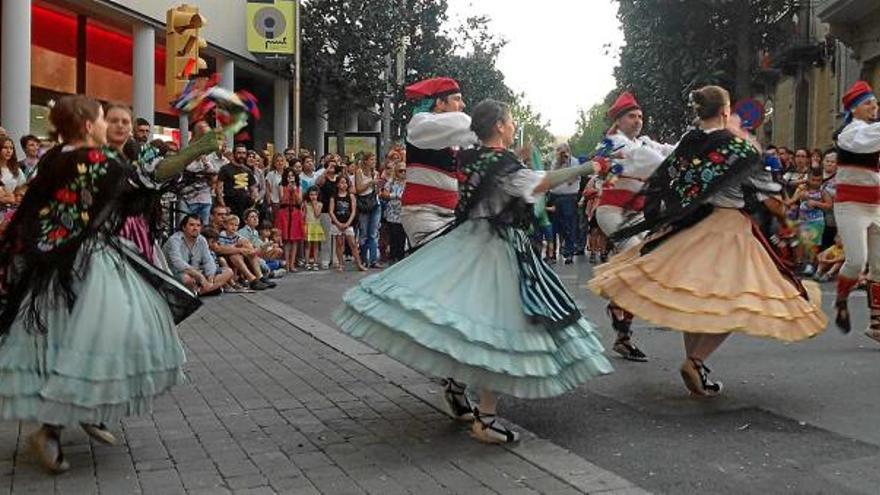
{"x":367,"y":203}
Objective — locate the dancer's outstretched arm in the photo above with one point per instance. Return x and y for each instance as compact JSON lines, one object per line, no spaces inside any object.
{"x":175,"y":164}
{"x":560,"y":176}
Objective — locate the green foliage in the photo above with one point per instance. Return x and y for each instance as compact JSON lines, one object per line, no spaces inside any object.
{"x":345,"y":43}
{"x":533,"y":127}
{"x":591,"y":127}
{"x":675,"y":46}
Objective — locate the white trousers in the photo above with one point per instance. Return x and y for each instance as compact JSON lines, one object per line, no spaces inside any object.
{"x":612,"y":218}
{"x":858,"y":225}
{"x":423,"y":223}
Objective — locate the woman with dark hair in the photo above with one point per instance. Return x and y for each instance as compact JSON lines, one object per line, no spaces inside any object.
{"x":87,"y":326}
{"x":11,"y":175}
{"x":478,"y":304}
{"x":289,"y":215}
{"x":707,"y":271}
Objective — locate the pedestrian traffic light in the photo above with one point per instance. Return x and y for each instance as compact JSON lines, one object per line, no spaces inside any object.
{"x":182,"y":45}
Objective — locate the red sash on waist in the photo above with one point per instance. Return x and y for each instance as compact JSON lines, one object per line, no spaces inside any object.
{"x":849,"y":193}
{"x":622,"y":198}
{"x":418,"y":194}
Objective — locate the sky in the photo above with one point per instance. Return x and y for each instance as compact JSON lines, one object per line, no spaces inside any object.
{"x":555,"y":53}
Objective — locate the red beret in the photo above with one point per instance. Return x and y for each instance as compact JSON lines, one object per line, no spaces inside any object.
{"x":435,"y":87}
{"x":857,"y":94}
{"x":624,"y":103}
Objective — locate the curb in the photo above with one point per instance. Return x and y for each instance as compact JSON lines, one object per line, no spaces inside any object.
{"x":582,"y":475}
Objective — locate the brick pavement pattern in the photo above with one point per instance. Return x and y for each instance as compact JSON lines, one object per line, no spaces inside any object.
{"x":269,"y":408}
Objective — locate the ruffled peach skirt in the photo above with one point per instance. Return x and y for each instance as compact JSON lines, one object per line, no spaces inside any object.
{"x":714,"y":277}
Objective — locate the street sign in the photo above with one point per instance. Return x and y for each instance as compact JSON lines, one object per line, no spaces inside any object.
{"x":271,"y":27}
{"x":751,"y":111}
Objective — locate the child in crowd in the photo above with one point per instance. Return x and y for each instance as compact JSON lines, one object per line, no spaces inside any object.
{"x":213,"y":238}
{"x":830,"y":261}
{"x":811,"y":203}
{"x":343,"y":211}
{"x":597,"y":242}
{"x":314,"y":231}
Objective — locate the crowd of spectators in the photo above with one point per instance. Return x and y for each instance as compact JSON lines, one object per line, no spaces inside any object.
{"x":245,"y":218}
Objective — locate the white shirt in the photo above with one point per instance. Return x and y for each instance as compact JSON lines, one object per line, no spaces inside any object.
{"x":570,"y":187}
{"x":10,"y":182}
{"x":859,"y":137}
{"x":641,"y":157}
{"x":273,"y":184}
{"x":437,"y":131}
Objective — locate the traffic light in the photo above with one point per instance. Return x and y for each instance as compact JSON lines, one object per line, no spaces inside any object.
{"x":182,"y":45}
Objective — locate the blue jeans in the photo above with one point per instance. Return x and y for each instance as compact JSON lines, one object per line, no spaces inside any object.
{"x":565,"y":222}
{"x":201,"y":210}
{"x":368,"y":228}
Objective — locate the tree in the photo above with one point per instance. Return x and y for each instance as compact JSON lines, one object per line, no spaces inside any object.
{"x":344,"y":43}
{"x":673,"y":47}
{"x":468,"y":55}
{"x":591,"y":127}
{"x":532,"y":126}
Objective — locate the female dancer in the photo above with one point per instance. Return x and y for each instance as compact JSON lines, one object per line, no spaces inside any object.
{"x":707,"y":271}
{"x":477,"y":303}
{"x":84,"y":336}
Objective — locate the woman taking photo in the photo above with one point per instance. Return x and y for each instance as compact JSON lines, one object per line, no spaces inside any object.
{"x":707,"y":271}
{"x":477,"y":303}
{"x":85,"y":338}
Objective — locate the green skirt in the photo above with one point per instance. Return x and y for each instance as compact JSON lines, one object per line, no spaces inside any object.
{"x":454,"y":308}
{"x":106,"y":358}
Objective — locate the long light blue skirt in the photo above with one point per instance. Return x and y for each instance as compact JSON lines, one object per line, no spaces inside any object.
{"x":107,"y":358}
{"x":454,"y":309}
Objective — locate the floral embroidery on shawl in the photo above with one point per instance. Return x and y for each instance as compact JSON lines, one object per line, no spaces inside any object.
{"x":66,"y":215}
{"x":691,"y":177}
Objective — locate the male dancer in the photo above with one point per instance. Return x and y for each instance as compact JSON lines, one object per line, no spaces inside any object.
{"x":434,"y":134}
{"x":857,"y":205}
{"x":438,"y":128}
{"x":639,"y":157}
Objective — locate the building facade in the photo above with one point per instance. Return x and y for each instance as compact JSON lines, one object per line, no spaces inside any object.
{"x":835,"y":43}
{"x":114,"y":51}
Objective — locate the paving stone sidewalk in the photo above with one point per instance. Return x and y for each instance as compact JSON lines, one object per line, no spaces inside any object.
{"x":280,"y":403}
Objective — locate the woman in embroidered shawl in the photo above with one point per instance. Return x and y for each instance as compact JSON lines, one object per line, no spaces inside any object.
{"x":706,"y":270}
{"x":478,"y":304}
{"x":84,"y":337}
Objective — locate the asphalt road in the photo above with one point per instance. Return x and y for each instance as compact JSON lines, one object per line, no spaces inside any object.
{"x":794,"y":418}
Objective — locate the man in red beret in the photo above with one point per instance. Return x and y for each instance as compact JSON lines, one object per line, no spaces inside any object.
{"x":636,"y":157}
{"x":439,"y":127}
{"x":857,"y":204}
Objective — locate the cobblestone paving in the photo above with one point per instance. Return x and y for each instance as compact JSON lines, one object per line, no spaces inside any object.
{"x":271,"y":409}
